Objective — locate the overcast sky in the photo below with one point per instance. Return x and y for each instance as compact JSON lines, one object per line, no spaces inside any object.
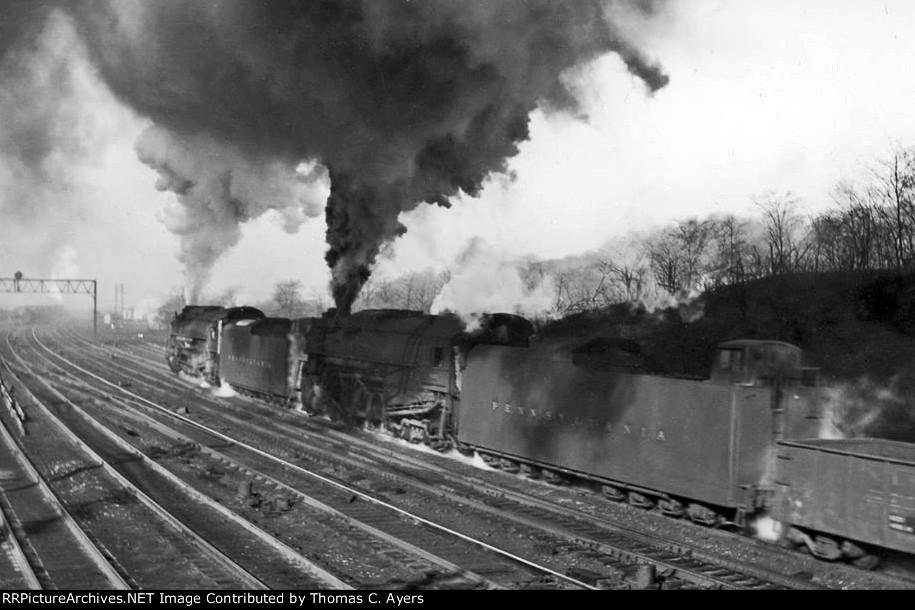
{"x":771,"y":95}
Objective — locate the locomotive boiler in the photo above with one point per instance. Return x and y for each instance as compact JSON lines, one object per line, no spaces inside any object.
{"x":400,"y":370}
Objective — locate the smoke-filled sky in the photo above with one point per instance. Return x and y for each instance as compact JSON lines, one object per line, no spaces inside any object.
{"x":165,"y":144}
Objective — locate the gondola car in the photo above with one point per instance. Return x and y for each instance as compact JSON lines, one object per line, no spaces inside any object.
{"x":845,"y":498}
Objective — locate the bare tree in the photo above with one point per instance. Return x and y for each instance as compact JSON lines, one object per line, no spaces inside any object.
{"x":666,"y":262}
{"x":893,"y":191}
{"x":829,"y":245}
{"x":694,"y":237}
{"x":366,"y":296}
{"x":415,"y":291}
{"x":585,"y":287}
{"x":287,"y":298}
{"x":418,"y":290}
{"x":411,"y":291}
{"x":850,"y":236}
{"x":316,"y":304}
{"x":629,"y":278}
{"x":387,"y":293}
{"x":732,"y":259}
{"x":786,"y":238}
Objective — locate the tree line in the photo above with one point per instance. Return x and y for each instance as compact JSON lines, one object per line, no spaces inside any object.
{"x":870,"y":226}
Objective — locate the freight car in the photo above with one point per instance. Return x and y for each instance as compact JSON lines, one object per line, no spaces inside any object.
{"x":842,"y":499}
{"x":700,"y":448}
{"x":195,"y":334}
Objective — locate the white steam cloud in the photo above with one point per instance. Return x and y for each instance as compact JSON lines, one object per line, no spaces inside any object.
{"x":866,"y":408}
{"x":218,"y":189}
{"x":486,"y":282}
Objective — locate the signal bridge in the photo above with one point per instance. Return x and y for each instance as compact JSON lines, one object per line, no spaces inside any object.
{"x":18,"y":283}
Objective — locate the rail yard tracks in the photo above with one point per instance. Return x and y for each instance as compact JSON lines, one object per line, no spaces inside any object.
{"x":144,"y":532}
{"x":392,"y":529}
{"x":721,"y":549}
{"x":36,"y":525}
{"x":582,"y":538}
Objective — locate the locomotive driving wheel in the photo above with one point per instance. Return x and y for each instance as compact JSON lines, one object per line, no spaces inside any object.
{"x":462,"y":448}
{"x":508,"y":465}
{"x":703,"y":515}
{"x":531,"y":472}
{"x":555,"y":478}
{"x":858,"y":556}
{"x":826,"y":548}
{"x":866,"y":562}
{"x":671,"y":507}
{"x":613,"y":493}
{"x":639,"y":500}
{"x":490,"y":460}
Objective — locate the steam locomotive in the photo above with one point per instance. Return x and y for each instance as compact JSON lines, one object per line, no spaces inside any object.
{"x":722,"y":450}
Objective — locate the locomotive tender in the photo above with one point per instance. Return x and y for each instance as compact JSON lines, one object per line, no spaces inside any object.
{"x":195,"y":334}
{"x":713,"y":450}
{"x":695,"y":447}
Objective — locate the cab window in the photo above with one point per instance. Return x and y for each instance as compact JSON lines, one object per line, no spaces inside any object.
{"x":437,"y":357}
{"x":730,"y":359}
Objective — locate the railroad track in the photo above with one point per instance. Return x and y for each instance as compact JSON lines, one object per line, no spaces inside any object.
{"x":387,"y":524}
{"x":580,"y":533}
{"x":37,"y":527}
{"x":790,"y":563}
{"x":601,"y":540}
{"x":17,"y":569}
{"x":152,"y":519}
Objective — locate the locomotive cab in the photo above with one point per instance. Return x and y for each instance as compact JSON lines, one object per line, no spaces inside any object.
{"x":796,"y":401}
{"x":761,"y":363}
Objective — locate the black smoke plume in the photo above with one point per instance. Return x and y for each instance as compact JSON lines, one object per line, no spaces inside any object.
{"x":404,"y":102}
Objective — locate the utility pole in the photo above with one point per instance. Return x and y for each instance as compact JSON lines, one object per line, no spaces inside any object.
{"x":123,"y":308}
{"x":119,"y":301}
